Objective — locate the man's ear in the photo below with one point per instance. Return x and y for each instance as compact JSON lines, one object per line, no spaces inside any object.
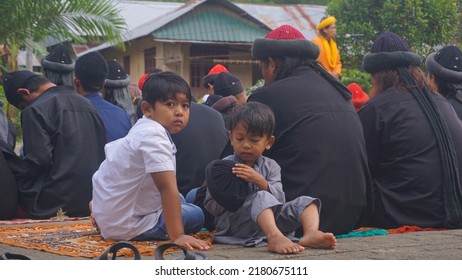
{"x":272,"y":64}
{"x":76,"y":82}
{"x":270,"y":142}
{"x":23,"y":92}
{"x":103,"y":91}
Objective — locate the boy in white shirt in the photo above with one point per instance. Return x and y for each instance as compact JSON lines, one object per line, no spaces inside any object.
{"x":135,"y":194}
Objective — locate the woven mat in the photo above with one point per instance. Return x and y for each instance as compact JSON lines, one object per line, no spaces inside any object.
{"x":33,"y":221}
{"x":77,"y":239}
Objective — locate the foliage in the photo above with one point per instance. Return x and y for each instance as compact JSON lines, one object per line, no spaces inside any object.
{"x":26,"y":21}
{"x":426,"y":24}
{"x":253,"y":88}
{"x":69,"y":19}
{"x":363,"y":79}
{"x":314,"y":2}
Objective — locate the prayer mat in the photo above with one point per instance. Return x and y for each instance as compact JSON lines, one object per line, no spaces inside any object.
{"x":29,"y":221}
{"x":407,"y":228}
{"x":363,"y":232}
{"x":75,"y":239}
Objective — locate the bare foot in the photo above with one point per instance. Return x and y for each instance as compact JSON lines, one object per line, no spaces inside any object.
{"x":283,"y":245}
{"x":318,"y":239}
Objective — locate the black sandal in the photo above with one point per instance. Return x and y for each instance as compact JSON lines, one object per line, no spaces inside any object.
{"x":187,"y":255}
{"x":116,"y":247}
{"x":11,"y":256}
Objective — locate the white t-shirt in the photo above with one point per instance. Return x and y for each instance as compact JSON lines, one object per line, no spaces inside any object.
{"x":126,"y":202}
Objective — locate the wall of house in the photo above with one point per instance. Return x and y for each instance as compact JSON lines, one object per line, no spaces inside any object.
{"x":241,"y":68}
{"x":169,"y":57}
{"x":136,"y":52}
{"x":174,"y":57}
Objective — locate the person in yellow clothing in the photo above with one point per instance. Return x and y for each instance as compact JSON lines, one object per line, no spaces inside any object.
{"x":329,"y":56}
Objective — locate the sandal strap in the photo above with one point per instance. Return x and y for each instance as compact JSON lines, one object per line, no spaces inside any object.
{"x":188,"y":255}
{"x":11,"y":256}
{"x":116,"y":247}
{"x":159,"y":253}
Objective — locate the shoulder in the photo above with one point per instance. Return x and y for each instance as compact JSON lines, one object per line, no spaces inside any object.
{"x":270,"y":162}
{"x":317,"y":40}
{"x":390,"y":97}
{"x":259,"y":94}
{"x":147,"y":128}
{"x":203,"y":110}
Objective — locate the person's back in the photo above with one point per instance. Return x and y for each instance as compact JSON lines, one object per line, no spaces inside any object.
{"x":413,"y":138}
{"x":63,"y":139}
{"x":77,"y":137}
{"x":319,"y":140}
{"x":135,"y":195}
{"x":132,"y":194}
{"x":202,"y":141}
{"x":90,"y":73}
{"x":405,"y":160}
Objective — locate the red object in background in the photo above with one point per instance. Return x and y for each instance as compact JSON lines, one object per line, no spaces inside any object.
{"x":359,"y":97}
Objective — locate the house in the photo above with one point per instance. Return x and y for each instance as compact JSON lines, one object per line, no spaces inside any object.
{"x":190,"y":38}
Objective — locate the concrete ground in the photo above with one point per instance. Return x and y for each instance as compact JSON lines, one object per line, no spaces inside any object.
{"x":425,"y":245}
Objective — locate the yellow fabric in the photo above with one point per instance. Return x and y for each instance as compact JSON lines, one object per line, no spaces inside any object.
{"x":328,"y":21}
{"x":329,"y":56}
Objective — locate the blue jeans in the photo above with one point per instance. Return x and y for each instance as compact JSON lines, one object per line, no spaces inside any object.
{"x":193,"y":221}
{"x":191,"y":195}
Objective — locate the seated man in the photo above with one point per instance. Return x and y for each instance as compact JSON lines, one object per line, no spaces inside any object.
{"x":319,"y":139}
{"x":90,"y":74}
{"x":64,"y":141}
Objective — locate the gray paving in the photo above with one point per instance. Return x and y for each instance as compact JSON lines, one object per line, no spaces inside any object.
{"x":434,"y":245}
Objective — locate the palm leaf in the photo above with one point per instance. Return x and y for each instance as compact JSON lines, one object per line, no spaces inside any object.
{"x":74,"y":20}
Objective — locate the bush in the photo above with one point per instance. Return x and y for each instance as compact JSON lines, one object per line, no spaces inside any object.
{"x":253,"y":88}
{"x":363,"y":79}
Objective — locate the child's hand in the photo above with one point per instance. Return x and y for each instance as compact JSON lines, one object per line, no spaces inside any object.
{"x":190,"y":242}
{"x":249,"y":174}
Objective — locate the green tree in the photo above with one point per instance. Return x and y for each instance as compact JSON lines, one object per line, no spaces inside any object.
{"x":426,"y":24}
{"x":25,"y":21}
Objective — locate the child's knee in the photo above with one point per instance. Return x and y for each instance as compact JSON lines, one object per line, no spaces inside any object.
{"x":193,"y":216}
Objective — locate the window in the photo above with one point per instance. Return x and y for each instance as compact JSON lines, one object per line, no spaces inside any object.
{"x":149,"y":59}
{"x":127,"y":64}
{"x":202,"y":60}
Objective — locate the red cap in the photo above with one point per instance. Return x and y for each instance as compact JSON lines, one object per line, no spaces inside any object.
{"x":359,"y":97}
{"x":142,"y":80}
{"x":285,"y":32}
{"x":217,"y":69}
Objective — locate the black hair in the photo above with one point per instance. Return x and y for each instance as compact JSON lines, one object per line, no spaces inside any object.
{"x":286,"y":65}
{"x":33,"y":83}
{"x":257,"y":117}
{"x":447,"y":89}
{"x":164,"y":85}
{"x":90,"y":86}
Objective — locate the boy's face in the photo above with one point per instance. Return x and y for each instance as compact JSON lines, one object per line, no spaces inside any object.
{"x":172,"y":114}
{"x":248,"y":147}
